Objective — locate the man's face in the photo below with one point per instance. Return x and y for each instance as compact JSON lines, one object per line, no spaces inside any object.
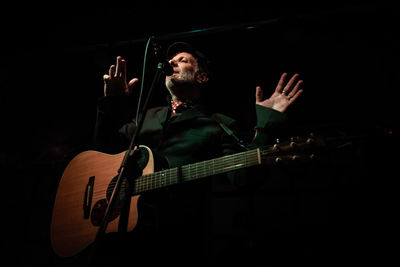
{"x":185,"y":68}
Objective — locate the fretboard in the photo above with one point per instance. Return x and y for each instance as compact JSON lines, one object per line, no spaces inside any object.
{"x":197,"y":170}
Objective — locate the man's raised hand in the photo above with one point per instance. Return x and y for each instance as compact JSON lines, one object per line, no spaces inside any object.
{"x":284,"y":95}
{"x":115,"y":82}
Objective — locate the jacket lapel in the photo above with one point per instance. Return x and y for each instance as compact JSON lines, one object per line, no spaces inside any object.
{"x":163,"y":115}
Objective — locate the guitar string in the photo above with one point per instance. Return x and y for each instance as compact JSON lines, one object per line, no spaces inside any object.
{"x":152,"y":181}
{"x":169,"y":176}
{"x":219,"y":162}
{"x":155,"y":182}
{"x":193,"y":171}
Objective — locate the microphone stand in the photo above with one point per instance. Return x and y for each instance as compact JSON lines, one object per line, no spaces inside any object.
{"x":124,"y":171}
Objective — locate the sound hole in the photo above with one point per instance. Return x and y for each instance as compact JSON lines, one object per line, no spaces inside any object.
{"x":134,"y":169}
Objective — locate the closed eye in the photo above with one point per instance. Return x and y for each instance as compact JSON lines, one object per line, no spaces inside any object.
{"x":183,"y":59}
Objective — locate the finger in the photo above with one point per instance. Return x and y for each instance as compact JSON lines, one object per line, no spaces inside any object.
{"x":122,"y":68}
{"x":259,"y":94}
{"x":281,"y":83}
{"x":289,"y":85}
{"x":118,"y":67}
{"x":295,"y":89}
{"x":111,"y":71}
{"x":106,"y":79}
{"x":298,"y":93}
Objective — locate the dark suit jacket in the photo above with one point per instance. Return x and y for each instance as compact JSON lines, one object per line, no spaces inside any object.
{"x":189,"y":137}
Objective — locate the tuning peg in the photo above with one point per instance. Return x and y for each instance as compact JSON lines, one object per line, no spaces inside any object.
{"x":310,"y":139}
{"x":292,"y":142}
{"x":276,"y":146}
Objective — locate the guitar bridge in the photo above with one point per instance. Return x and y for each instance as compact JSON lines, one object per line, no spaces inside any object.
{"x":87,"y":201}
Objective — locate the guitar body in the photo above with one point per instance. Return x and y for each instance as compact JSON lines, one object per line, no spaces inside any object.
{"x":81,"y":200}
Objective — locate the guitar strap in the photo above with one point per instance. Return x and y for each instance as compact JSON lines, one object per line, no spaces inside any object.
{"x":239,"y":141}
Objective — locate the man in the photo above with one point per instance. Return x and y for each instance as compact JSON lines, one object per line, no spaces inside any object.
{"x":183,"y":132}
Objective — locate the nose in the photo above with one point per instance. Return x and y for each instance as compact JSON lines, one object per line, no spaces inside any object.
{"x":172,"y":62}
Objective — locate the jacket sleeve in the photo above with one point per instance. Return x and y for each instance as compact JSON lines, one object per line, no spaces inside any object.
{"x":269,"y":124}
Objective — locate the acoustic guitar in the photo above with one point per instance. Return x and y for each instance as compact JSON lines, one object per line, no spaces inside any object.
{"x":89,"y":179}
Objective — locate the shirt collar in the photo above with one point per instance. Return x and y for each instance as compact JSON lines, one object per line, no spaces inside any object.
{"x":178,"y":106}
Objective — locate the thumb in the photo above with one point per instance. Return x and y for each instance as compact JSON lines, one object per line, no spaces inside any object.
{"x":259,"y":94}
{"x":132,"y":83}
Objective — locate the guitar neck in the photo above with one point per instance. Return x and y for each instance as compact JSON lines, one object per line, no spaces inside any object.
{"x":197,"y":170}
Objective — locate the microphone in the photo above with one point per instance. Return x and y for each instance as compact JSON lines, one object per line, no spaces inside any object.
{"x":166,"y":68}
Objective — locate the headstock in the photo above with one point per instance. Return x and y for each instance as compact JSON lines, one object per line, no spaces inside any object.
{"x":295,"y":150}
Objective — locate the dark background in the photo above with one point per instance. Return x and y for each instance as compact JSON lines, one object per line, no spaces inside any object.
{"x":54,"y":57}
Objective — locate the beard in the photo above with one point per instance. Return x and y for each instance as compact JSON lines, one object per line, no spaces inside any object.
{"x":178,"y":84}
{"x":183,"y":87}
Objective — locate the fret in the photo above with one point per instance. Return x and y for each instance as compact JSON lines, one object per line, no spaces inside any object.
{"x":167,"y":178}
{"x":213,"y":166}
{"x":186,"y":172}
{"x":197,"y":170}
{"x":174,"y":176}
{"x":152,"y":180}
{"x":204,"y":169}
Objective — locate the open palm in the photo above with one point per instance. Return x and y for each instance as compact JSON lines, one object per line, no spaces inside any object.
{"x":284,"y":95}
